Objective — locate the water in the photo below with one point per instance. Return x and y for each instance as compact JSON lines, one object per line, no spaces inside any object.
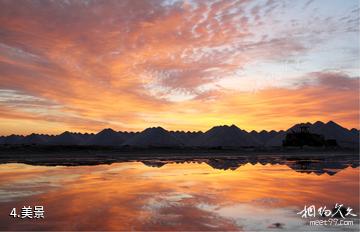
{"x":203,"y":194}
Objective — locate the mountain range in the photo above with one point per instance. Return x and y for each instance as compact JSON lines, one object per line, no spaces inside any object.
{"x":218,"y":136}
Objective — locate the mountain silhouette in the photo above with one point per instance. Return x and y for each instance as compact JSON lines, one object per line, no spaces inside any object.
{"x":35,"y":139}
{"x":332,"y":130}
{"x":355,"y":131}
{"x":270,"y":139}
{"x":226,"y":136}
{"x":107,"y":137}
{"x":218,"y":136}
{"x":154,"y":136}
{"x":186,"y":138}
{"x":67,"y":138}
{"x":263,"y":136}
{"x":12,"y":139}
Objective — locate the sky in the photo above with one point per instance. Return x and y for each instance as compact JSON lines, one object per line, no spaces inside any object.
{"x":183,"y":65}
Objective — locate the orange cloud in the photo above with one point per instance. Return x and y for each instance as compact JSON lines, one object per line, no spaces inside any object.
{"x":84,"y":66}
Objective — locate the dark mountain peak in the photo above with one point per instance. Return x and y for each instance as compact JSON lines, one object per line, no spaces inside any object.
{"x":332,"y":123}
{"x":228,"y":136}
{"x":234,"y":127}
{"x":217,"y":127}
{"x":305,"y":124}
{"x":66,"y":133}
{"x":154,"y":136}
{"x":88,"y":134}
{"x":107,"y":131}
{"x":298,"y":126}
{"x":66,"y":138}
{"x":155,"y":130}
{"x":15,"y":136}
{"x":107,"y":137}
{"x":319,"y":123}
{"x":35,"y":139}
{"x":224,"y":128}
{"x":355,"y":131}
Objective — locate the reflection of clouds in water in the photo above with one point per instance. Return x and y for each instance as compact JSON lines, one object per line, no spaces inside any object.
{"x":266,"y":200}
{"x":10,"y":195}
{"x":25,"y":188}
{"x":175,"y":197}
{"x":252,"y":217}
{"x":256,"y":218}
{"x":123,"y":196}
{"x":179,"y":209}
{"x":179,"y":173}
{"x":32,"y":180}
{"x":165,"y":200}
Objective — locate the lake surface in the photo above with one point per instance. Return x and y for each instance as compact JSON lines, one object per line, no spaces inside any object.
{"x":201,"y":195}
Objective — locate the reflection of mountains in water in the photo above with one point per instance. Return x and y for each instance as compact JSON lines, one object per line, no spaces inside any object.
{"x":308,"y":165}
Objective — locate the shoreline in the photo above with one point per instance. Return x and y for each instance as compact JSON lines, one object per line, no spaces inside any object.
{"x":95,"y":155}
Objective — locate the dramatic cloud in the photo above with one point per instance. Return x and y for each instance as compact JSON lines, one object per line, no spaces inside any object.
{"x":84,"y":65}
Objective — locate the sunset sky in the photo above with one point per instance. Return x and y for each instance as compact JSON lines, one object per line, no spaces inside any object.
{"x":183,"y":65}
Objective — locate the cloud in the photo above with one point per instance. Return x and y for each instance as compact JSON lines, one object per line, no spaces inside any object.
{"x":329,"y":95}
{"x":158,"y":38}
{"x":337,"y":80}
{"x":130,"y":64}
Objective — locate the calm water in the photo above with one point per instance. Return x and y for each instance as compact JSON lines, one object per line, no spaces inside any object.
{"x":199,"y":195}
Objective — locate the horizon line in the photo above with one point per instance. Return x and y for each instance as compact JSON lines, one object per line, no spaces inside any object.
{"x":186,"y":131}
